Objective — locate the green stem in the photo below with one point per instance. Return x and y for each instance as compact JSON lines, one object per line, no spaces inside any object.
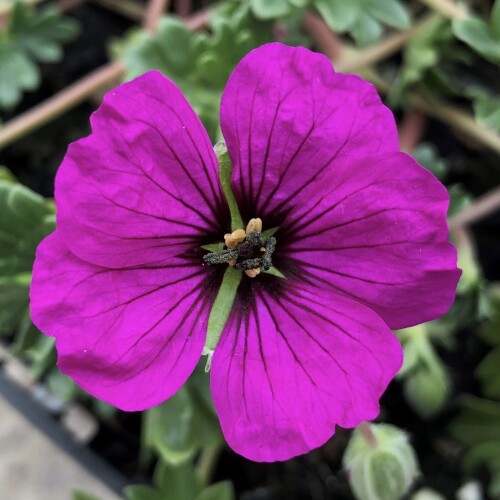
{"x":206,"y":464}
{"x":60,"y":103}
{"x":455,"y":118}
{"x":222,"y":307}
{"x":447,"y":8}
{"x":352,"y":59}
{"x":480,"y":208}
{"x":226,"y":169}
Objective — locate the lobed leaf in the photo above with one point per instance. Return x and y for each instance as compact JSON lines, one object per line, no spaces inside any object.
{"x":30,"y":37}
{"x":476,"y":33}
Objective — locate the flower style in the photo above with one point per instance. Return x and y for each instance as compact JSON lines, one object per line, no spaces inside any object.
{"x":362,"y":241}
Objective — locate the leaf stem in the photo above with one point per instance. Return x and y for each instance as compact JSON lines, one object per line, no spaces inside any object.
{"x":447,"y":8}
{"x":480,"y":208}
{"x":226,"y":169}
{"x":75,"y":94}
{"x":207,"y":463}
{"x":411,"y":129}
{"x":153,"y":12}
{"x":347,"y":58}
{"x":457,"y":119}
{"x":352,"y":59}
{"x":60,"y":103}
{"x":126,"y":8}
{"x":183,"y":7}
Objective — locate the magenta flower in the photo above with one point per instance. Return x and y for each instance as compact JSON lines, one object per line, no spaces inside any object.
{"x":362,"y":241}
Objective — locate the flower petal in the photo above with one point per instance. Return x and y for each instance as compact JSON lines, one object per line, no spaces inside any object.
{"x":144,"y":184}
{"x":378,"y":235}
{"x":287,"y":116}
{"x":292,"y":363}
{"x":130,"y":337}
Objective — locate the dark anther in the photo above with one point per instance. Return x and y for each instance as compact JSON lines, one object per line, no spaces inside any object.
{"x":253,"y":253}
{"x":255,"y":238}
{"x":222,"y":257}
{"x":248,"y":264}
{"x":269,"y":249}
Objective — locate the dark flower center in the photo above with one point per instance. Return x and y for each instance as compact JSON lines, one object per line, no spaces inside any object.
{"x":248,"y":251}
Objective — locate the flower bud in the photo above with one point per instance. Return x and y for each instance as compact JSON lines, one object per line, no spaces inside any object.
{"x":381,"y":466}
{"x":427,"y":494}
{"x":427,"y":390}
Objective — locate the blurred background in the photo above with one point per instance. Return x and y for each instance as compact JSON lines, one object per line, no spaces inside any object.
{"x":436,"y":64}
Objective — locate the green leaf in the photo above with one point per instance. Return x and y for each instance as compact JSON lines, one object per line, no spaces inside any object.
{"x":13,"y":302}
{"x":26,"y":336}
{"x":30,"y":36}
{"x":199,"y":63}
{"x":104,"y":411}
{"x":42,"y":356}
{"x":460,"y":198}
{"x":7,"y":176}
{"x":83,"y":495}
{"x":219,"y":491}
{"x":264,"y":9}
{"x":478,"y":428}
{"x":428,"y":155}
{"x":170,"y":50}
{"x":222,"y":306}
{"x":25,"y":219}
{"x":488,"y":374}
{"x":478,"y":422}
{"x":167,"y":428}
{"x":17,"y":74}
{"x":338,"y":14}
{"x":486,"y":107}
{"x":176,"y":482}
{"x":489,"y":330}
{"x":199,"y":387}
{"x":425,"y":49}
{"x":366,"y":30}
{"x":62,"y":386}
{"x":390,"y":12}
{"x":495,"y":20}
{"x":48,"y":31}
{"x":140,"y":492}
{"x":476,"y":34}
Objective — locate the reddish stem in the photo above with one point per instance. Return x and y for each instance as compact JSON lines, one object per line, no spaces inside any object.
{"x":411,"y":129}
{"x":75,"y":94}
{"x":366,"y":431}
{"x":153,"y":14}
{"x":326,"y":40}
{"x":183,"y":7}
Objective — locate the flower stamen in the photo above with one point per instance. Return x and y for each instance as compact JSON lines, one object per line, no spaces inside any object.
{"x":231,"y":240}
{"x":246,"y":249}
{"x":254,"y":225}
